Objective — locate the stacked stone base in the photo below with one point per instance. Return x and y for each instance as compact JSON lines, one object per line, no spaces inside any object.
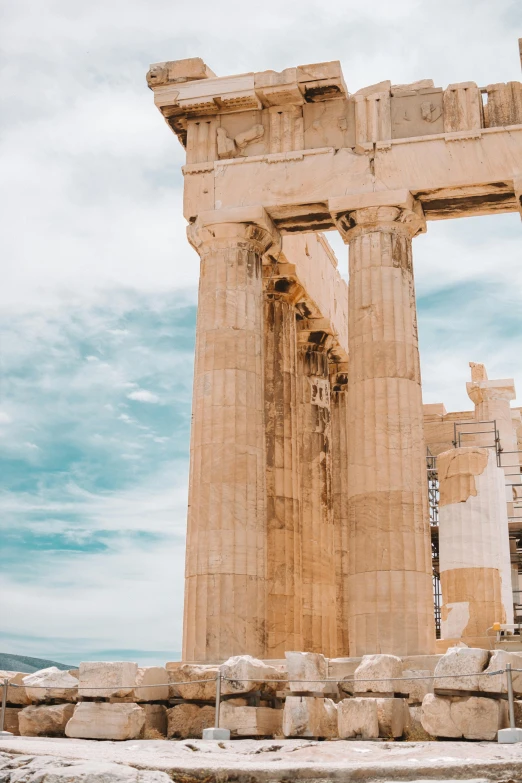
{"x":306,"y":696}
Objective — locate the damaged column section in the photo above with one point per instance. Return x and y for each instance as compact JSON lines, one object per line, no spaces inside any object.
{"x":390,"y":580}
{"x":284,"y":596}
{"x":472,"y":537}
{"x":318,"y":547}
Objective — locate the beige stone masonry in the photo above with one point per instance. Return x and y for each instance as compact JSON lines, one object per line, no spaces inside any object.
{"x":458,"y":469}
{"x":51,"y":683}
{"x":99,"y":679}
{"x":284,"y":576}
{"x":307,"y":671}
{"x":226,"y":564}
{"x":189,"y":720}
{"x":155,"y":721}
{"x":389,"y":582}
{"x":310,"y":716}
{"x":16,"y":692}
{"x":470,"y":717}
{"x":319,"y":620}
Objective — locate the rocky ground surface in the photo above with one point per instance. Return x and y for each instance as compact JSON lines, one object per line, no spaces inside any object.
{"x":46,"y":760}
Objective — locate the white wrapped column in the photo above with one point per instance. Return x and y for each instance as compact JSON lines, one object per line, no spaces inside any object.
{"x":472,"y":541}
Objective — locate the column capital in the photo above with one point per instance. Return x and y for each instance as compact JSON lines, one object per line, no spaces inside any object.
{"x":396,"y":211}
{"x":245,"y":225}
{"x":481,"y":391}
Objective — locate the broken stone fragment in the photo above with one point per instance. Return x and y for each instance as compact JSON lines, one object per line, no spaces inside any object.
{"x":16,"y":693}
{"x":416,"y":688}
{"x":390,"y":717}
{"x":242,"y":674}
{"x":107,"y":680}
{"x":497,"y":683}
{"x":470,"y":717}
{"x":99,"y":720}
{"x":151,"y":684}
{"x":251,"y":721}
{"x":378,"y":674}
{"x":309,"y":716}
{"x":48,"y":721}
{"x":358,"y":718}
{"x":307,"y":672}
{"x":202,"y":691}
{"x":464,"y":664}
{"x":187,"y":721}
{"x":51,"y":683}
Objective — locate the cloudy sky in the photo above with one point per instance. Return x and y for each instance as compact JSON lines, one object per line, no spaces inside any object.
{"x":98,"y":286}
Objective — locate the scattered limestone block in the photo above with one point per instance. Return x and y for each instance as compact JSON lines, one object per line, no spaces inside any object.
{"x":470,"y":717}
{"x":390,"y":716}
{"x":381,"y":669}
{"x":307,"y":671}
{"x":107,"y":679}
{"x":148,"y":678}
{"x":467,"y":661}
{"x":358,"y":718}
{"x":155,"y":721}
{"x":49,"y":721}
{"x":497,"y":683}
{"x":245,"y":674}
{"x":187,"y":721}
{"x":99,"y":720}
{"x":309,"y":716}
{"x":346,"y":686}
{"x":250,"y":721}
{"x":16,"y":693}
{"x":416,"y":688}
{"x":11,"y":720}
{"x":205,"y":691}
{"x":53,"y":683}
{"x":413,"y":729}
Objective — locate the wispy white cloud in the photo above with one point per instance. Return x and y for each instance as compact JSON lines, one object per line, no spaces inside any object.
{"x":143,"y":395}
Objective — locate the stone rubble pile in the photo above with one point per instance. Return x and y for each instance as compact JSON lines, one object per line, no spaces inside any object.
{"x":306,"y":696}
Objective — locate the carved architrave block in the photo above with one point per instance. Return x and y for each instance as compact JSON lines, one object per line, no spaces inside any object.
{"x":416,"y":112}
{"x":372,"y":117}
{"x":462,"y":107}
{"x":504,"y":105}
{"x":286,"y":128}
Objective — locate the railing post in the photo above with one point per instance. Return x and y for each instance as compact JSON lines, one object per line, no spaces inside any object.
{"x":511,"y":703}
{"x":218,"y":698}
{"x":4,"y":701}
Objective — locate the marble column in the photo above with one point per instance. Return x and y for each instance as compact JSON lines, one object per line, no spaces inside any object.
{"x":390,"y":572}
{"x":471,"y":509}
{"x":318,"y":544}
{"x":282,"y":465}
{"x":339,"y":414}
{"x":226,"y":561}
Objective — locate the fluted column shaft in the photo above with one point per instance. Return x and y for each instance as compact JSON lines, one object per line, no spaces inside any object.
{"x":225,"y":577}
{"x":339,"y":414}
{"x":390,"y":570}
{"x":282,"y":469}
{"x":318,"y":545}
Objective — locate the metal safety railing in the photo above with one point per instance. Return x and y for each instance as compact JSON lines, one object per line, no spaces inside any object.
{"x":220,"y":678}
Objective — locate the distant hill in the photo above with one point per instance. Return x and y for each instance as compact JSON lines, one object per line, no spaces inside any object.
{"x":23,"y":663}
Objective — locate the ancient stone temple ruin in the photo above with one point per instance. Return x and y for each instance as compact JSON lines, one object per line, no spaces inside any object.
{"x":314,"y":464}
